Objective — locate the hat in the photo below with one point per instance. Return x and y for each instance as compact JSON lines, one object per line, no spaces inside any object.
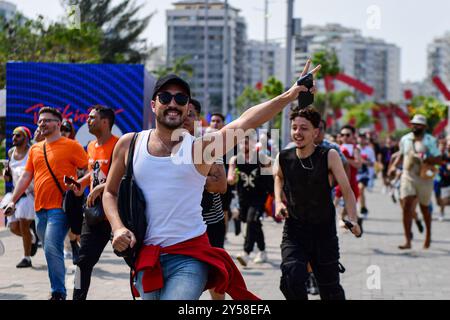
{"x":170,"y":79}
{"x":24,"y":130}
{"x":419,"y":119}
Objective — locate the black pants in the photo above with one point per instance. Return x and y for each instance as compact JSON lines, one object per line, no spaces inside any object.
{"x":252,"y":216}
{"x":317,"y":244}
{"x":216,"y":233}
{"x":93,"y":242}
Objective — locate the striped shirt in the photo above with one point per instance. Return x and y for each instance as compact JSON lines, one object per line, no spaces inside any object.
{"x":212,"y":205}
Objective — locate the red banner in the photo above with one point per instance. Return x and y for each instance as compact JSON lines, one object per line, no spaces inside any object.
{"x":402,"y":115}
{"x":358,"y":85}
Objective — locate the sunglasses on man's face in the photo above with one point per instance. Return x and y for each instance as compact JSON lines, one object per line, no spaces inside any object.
{"x":180,"y":98}
{"x":348,"y":135}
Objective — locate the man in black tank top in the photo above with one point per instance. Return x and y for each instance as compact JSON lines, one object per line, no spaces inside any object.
{"x":303,"y":178}
{"x":253,"y":187}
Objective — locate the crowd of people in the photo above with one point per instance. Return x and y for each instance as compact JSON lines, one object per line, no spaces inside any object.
{"x":66,"y":196}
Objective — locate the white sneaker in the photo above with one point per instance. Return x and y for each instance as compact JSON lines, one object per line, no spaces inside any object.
{"x":441,"y":218}
{"x":261,"y":257}
{"x":243,"y":258}
{"x":342,"y":224}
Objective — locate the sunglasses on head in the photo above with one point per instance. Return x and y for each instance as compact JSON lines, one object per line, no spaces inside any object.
{"x":180,"y":98}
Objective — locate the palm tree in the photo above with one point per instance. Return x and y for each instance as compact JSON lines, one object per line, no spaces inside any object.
{"x":179,"y":67}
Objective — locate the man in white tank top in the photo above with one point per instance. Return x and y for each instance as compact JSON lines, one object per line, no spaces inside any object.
{"x":20,"y":221}
{"x":171,"y":168}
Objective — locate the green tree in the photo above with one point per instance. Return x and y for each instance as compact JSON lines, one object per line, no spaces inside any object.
{"x":249,"y":97}
{"x":30,"y":40}
{"x":431,"y":108}
{"x":121,"y":27}
{"x":330,"y":68}
{"x":180,"y":67}
{"x":272,"y":89}
{"x":361,"y":114}
{"x":329,"y":62}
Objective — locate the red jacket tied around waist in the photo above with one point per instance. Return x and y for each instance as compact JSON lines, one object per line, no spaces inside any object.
{"x":223,"y":275}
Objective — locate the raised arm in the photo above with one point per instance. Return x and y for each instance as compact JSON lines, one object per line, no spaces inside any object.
{"x":226,"y":138}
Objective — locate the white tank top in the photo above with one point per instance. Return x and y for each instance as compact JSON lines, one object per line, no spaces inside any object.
{"x":17,"y":168}
{"x":173,"y":193}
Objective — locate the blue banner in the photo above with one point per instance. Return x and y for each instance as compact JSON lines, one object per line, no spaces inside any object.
{"x":74,"y":89}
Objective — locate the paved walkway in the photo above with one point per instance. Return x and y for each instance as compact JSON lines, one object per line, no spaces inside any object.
{"x":412,"y":274}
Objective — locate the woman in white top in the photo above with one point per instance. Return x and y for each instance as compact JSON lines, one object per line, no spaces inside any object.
{"x":19,"y":221}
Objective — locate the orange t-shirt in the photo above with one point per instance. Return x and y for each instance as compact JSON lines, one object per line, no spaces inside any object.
{"x":99,"y":158}
{"x":64,"y":156}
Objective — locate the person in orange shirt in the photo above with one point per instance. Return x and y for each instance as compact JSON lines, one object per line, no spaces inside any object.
{"x":64,"y":157}
{"x":95,"y":237}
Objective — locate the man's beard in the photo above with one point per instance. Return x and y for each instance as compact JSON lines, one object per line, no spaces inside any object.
{"x":169,"y":125}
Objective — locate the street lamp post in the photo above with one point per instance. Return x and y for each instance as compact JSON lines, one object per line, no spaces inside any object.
{"x":285,"y":135}
{"x":205,"y":60}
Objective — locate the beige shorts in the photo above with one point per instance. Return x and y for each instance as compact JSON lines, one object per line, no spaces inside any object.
{"x":422,"y":189}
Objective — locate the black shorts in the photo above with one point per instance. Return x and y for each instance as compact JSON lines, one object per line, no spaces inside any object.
{"x":216,"y":233}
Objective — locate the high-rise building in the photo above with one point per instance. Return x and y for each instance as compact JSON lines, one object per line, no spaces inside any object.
{"x":186,"y":37}
{"x":257,"y":68}
{"x":372,"y":61}
{"x":439,"y":64}
{"x":7,"y":9}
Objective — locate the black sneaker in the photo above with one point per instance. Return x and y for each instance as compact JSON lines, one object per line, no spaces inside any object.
{"x":57,"y":296}
{"x":364,"y":211}
{"x":25,"y":263}
{"x":75,"y":252}
{"x":34,"y":246}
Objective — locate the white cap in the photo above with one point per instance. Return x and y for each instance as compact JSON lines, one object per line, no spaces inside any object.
{"x":419,"y":119}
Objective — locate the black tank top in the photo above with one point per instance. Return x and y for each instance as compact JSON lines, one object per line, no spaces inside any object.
{"x":308,"y":191}
{"x":252,"y":187}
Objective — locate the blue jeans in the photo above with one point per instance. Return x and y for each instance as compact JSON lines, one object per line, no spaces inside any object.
{"x":184,"y":279}
{"x":52,"y":228}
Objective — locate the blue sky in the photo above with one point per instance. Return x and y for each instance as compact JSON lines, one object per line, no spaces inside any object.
{"x":410,"y":24}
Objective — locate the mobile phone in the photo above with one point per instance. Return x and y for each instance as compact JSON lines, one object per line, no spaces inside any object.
{"x":69,"y":180}
{"x":305,"y":99}
{"x":349,"y":226}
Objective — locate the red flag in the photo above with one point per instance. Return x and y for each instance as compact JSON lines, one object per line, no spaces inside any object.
{"x":338,"y":113}
{"x":358,"y":85}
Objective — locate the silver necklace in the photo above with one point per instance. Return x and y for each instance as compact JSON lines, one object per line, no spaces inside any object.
{"x":306,"y":168}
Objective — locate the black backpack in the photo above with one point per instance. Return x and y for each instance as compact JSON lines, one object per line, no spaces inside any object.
{"x":131,"y":205}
